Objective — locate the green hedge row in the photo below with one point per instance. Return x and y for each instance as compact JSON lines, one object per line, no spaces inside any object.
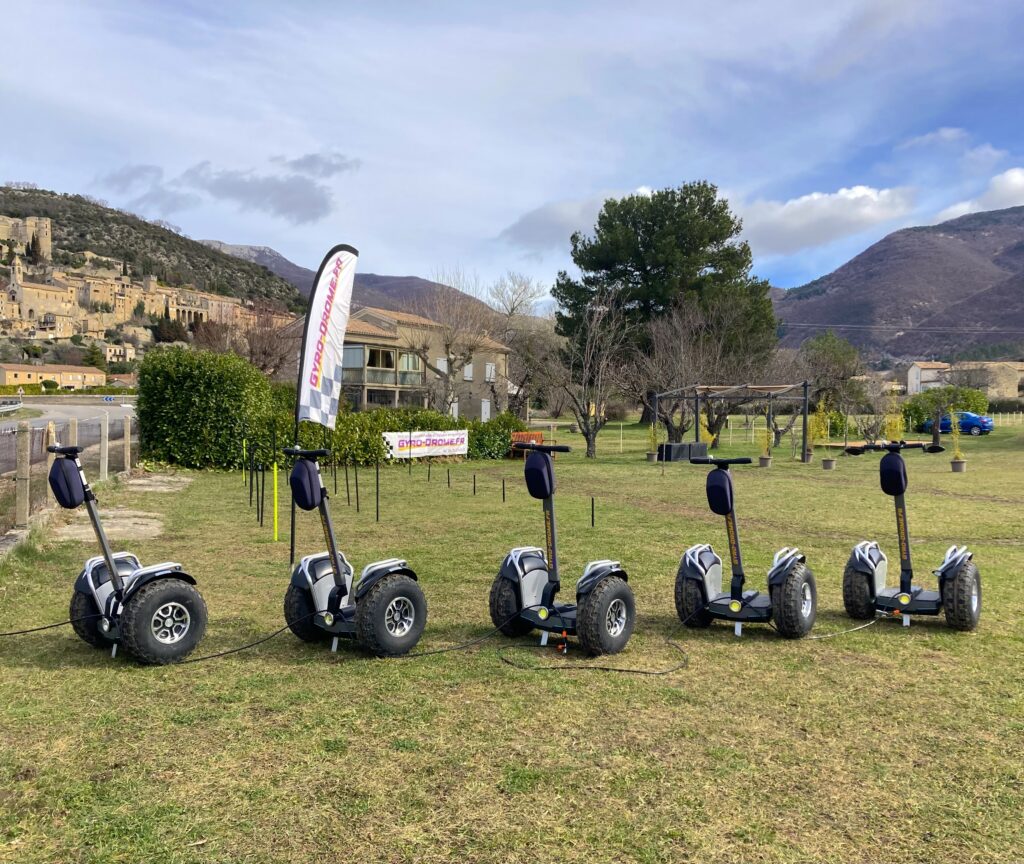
{"x":195,"y":408}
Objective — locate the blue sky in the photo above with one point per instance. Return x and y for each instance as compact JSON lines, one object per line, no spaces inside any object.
{"x":480,"y":135}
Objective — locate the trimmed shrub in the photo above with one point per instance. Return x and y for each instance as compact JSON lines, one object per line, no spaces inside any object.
{"x":193,"y":406}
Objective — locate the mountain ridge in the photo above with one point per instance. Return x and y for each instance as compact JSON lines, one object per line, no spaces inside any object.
{"x":396,"y":293}
{"x":926,"y":290}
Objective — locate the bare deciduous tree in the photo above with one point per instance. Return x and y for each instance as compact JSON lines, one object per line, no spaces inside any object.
{"x":783,"y":367}
{"x":271,"y":345}
{"x":532,"y":342}
{"x":586,"y":373}
{"x":665,"y":365}
{"x":461,"y":325}
{"x":217,"y":337}
{"x":878,"y":403}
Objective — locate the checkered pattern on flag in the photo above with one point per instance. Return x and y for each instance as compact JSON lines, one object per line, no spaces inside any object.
{"x":320,"y":370}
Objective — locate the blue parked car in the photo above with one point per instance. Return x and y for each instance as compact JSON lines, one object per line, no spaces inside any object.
{"x":970,"y":423}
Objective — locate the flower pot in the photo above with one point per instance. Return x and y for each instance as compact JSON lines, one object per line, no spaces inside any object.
{"x":959,"y":466}
{"x":828,"y":464}
{"x":764,"y":461}
{"x":652,"y":457}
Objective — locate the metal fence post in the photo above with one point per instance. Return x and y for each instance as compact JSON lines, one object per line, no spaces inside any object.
{"x":51,"y":438}
{"x":23,"y":445}
{"x":127,"y":442}
{"x":72,"y":432}
{"x":104,"y":446}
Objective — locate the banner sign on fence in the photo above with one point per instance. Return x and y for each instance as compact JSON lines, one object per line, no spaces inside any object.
{"x":415,"y":445}
{"x":324,"y":337}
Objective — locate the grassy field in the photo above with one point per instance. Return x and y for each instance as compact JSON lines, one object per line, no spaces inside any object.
{"x":883,"y":745}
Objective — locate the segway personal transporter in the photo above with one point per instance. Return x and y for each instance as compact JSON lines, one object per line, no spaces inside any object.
{"x":384,"y":610}
{"x":523,"y":594}
{"x":792,"y":598}
{"x":865,"y":593}
{"x":155,"y":612}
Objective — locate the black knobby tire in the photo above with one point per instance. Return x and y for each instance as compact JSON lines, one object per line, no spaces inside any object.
{"x":788,"y":601}
{"x":691,"y":606}
{"x":85,"y":619}
{"x":136,"y":620}
{"x":372,"y":620}
{"x":857,"y":594}
{"x":592,"y":616}
{"x":299,"y":615}
{"x":956,"y":598}
{"x":504,"y":605}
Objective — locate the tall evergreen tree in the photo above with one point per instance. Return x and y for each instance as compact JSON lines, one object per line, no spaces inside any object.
{"x":94,"y":356}
{"x":650,"y":252}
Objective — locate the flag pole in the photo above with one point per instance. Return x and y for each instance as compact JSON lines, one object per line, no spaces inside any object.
{"x":328,"y":258}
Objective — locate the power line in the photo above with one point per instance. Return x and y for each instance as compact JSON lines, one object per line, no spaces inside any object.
{"x":910,"y":328}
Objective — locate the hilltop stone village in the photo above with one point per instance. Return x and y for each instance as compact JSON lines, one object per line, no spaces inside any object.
{"x":44,"y":302}
{"x":47,"y":306}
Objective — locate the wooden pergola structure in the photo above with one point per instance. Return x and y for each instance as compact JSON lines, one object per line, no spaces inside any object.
{"x":743,"y":393}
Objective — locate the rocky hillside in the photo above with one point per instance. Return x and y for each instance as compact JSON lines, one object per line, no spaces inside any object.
{"x":81,"y":224}
{"x":939,"y":290}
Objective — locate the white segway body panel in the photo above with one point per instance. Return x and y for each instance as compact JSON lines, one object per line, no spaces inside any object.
{"x":955,"y":557}
{"x":527,"y":568}
{"x":868,"y":558}
{"x":702,"y":564}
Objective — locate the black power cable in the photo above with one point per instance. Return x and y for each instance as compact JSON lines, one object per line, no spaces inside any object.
{"x":245,"y":647}
{"x":587,"y":667}
{"x":50,"y":626}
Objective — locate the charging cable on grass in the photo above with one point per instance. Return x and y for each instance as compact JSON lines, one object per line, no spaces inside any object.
{"x":50,"y":626}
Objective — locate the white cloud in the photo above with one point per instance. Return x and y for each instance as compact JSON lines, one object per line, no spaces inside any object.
{"x":1004,"y":190}
{"x":784,"y":227}
{"x":550,"y":226}
{"x":942,"y":135}
{"x":983,"y":158}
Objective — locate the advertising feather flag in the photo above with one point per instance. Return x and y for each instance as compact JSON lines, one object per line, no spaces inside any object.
{"x":320,"y":366}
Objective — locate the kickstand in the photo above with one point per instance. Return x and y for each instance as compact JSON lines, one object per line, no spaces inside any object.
{"x":906,"y":620}
{"x":113,"y":651}
{"x":737,"y":628}
{"x":334,"y":645}
{"x":543,"y":638}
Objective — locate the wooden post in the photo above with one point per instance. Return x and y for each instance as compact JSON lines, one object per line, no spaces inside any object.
{"x":104,"y":446}
{"x":127,"y":442}
{"x":51,"y":438}
{"x":23,"y":449}
{"x":72,"y":432}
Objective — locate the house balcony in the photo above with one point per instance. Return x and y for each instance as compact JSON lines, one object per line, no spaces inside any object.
{"x":383,"y":377}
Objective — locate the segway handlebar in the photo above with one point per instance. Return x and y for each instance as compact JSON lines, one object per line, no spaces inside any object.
{"x":543,"y":448}
{"x":895,"y":447}
{"x":69,"y":450}
{"x":306,"y":454}
{"x":720,"y":463}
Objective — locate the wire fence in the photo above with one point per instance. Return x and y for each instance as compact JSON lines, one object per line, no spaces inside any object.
{"x":20,"y":498}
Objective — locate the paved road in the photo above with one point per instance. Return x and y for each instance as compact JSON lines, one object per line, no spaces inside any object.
{"x":58,"y":411}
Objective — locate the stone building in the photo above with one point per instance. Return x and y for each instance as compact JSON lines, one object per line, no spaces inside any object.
{"x":482,"y":388}
{"x":67,"y":377}
{"x":21,"y":231}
